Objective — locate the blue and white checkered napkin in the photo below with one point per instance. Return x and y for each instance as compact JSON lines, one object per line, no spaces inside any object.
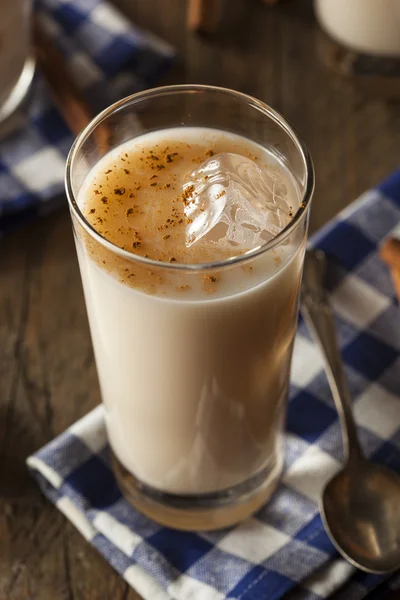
{"x":283,"y":550}
{"x":108,"y":58}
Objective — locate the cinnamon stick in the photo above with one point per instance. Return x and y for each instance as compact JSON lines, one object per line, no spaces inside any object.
{"x":67,"y":96}
{"x":390,"y":254}
{"x":395,"y":274}
{"x":204,"y":15}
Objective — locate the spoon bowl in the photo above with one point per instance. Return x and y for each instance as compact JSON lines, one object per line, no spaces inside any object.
{"x":361,"y":512}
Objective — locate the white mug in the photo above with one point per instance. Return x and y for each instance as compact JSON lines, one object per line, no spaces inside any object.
{"x":366,"y":26}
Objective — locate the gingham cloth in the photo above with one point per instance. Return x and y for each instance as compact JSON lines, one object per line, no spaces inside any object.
{"x":108,"y":58}
{"x":283,"y":550}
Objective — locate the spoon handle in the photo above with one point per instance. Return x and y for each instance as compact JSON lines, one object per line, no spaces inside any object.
{"x":317,"y":313}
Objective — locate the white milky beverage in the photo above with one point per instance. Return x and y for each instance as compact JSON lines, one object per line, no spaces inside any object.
{"x":193,"y":363}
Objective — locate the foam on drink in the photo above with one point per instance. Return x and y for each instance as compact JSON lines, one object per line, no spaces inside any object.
{"x":150,"y":197}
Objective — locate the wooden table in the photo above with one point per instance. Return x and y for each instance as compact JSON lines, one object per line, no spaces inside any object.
{"x":47,"y":374}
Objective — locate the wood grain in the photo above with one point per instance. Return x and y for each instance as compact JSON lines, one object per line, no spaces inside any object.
{"x":47,"y":374}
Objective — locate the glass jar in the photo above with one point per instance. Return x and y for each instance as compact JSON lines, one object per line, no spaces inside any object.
{"x":16,"y":60}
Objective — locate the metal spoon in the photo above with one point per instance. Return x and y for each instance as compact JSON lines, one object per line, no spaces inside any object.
{"x":360,"y":505}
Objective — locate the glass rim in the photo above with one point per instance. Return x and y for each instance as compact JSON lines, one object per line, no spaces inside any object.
{"x":182,"y":88}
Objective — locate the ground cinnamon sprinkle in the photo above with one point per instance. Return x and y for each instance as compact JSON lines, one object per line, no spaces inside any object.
{"x":209,"y":284}
{"x":210,"y":278}
{"x":187,"y":194}
{"x":156,"y":226}
{"x":277,"y":259}
{"x":170,"y":157}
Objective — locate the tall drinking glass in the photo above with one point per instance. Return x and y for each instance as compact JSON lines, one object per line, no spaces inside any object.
{"x":193,"y":359}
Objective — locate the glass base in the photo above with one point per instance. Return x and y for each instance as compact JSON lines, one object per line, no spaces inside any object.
{"x":201,"y":512}
{"x":19,"y":91}
{"x":377,"y":75}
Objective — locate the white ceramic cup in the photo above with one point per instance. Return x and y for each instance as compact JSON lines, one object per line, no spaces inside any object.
{"x":367,"y":26}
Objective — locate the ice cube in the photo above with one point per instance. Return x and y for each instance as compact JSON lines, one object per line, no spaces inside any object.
{"x":234,"y":201}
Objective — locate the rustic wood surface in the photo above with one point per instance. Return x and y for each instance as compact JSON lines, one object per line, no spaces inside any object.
{"x":47,"y":374}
